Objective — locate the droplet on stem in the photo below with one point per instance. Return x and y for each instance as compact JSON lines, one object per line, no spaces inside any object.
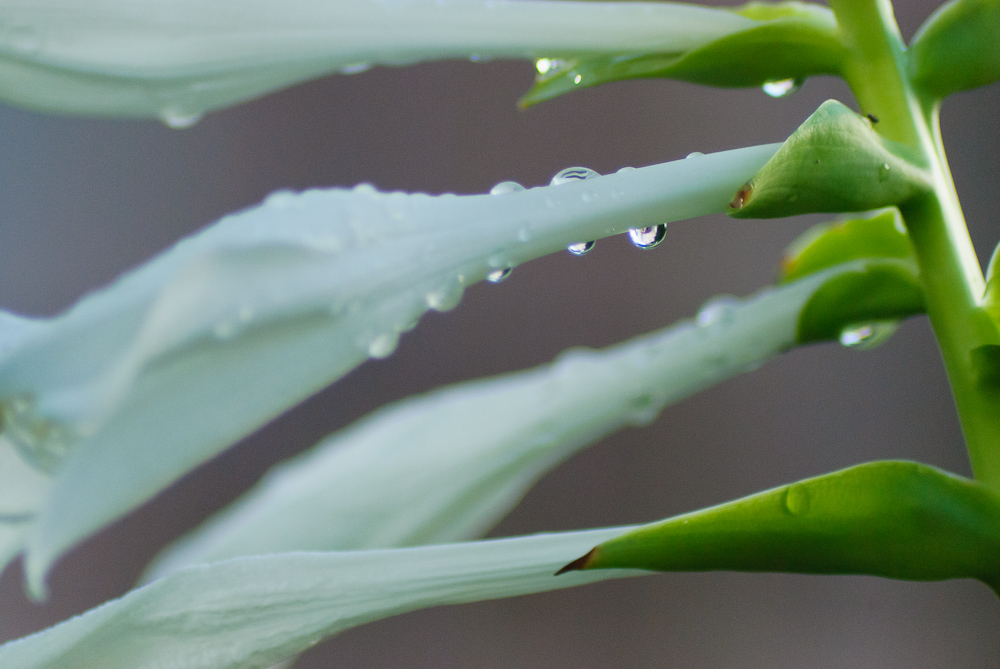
{"x":647,"y":238}
{"x":178,"y":119}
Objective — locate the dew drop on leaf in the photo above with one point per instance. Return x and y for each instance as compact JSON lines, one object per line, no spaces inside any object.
{"x":383,"y":345}
{"x":864,"y":336}
{"x":694,"y":154}
{"x":178,"y":119}
{"x":647,"y":238}
{"x":573,"y":174}
{"x":505,"y":187}
{"x":498,"y":275}
{"x":782,"y":88}
{"x":581,"y":248}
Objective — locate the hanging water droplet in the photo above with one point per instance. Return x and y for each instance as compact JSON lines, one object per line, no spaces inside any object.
{"x":179,"y":119}
{"x":383,"y":345}
{"x":647,"y":238}
{"x":694,"y":154}
{"x":573,"y":174}
{"x":498,"y":275}
{"x":581,"y":248}
{"x":884,"y":172}
{"x":865,"y":336}
{"x":543,"y":65}
{"x":355,"y":68}
{"x":505,"y":187}
{"x":783,"y":87}
{"x":578,"y":78}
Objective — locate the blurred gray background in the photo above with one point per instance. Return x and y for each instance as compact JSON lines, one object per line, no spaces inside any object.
{"x":83,"y":200}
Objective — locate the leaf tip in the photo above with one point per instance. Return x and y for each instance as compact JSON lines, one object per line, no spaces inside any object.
{"x":580,"y":563}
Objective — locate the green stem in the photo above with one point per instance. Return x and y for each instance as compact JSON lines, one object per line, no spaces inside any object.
{"x":952,"y":278}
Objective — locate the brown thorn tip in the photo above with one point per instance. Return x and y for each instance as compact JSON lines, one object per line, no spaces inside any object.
{"x":579,"y":563}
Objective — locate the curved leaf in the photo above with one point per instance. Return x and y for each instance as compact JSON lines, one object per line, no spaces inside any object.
{"x":957,"y":48}
{"x":144,"y":380}
{"x":894,"y":519}
{"x":446,"y":466}
{"x":176,"y":60}
{"x":254,"y":612}
{"x":880,"y":235}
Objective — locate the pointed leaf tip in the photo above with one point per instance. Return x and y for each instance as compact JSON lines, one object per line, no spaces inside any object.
{"x":581,"y":563}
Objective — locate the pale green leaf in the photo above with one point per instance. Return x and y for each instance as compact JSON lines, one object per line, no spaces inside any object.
{"x":254,"y":612}
{"x":179,"y":59}
{"x":144,"y":380}
{"x":446,"y":466}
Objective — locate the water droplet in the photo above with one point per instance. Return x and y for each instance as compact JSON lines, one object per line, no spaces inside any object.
{"x":581,"y":248}
{"x":865,"y":336}
{"x":365,"y":189}
{"x":625,"y":169}
{"x":498,"y":275}
{"x":355,"y":68}
{"x":884,"y":171}
{"x":543,"y":65}
{"x":444,"y":299}
{"x":797,"y":500}
{"x":741,"y":197}
{"x":782,"y":88}
{"x":179,"y":119}
{"x":571,"y":174}
{"x":505,"y":187}
{"x":718,"y":311}
{"x":647,"y":238}
{"x":694,"y":154}
{"x":383,"y":345}
{"x":578,"y":78}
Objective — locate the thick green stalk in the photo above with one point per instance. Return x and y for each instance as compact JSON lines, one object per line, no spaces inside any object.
{"x":952,"y":278}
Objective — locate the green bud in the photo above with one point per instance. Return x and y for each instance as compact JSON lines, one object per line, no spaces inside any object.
{"x":957,"y":48}
{"x":834,"y":162}
{"x":895,"y":519}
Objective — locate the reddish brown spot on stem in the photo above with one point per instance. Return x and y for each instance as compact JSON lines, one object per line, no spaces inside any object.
{"x":742,"y":195}
{"x":580,"y":562}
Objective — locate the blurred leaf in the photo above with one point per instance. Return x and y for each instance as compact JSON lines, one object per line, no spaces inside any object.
{"x":254,"y":612}
{"x":791,"y":40}
{"x":144,"y":380}
{"x":894,"y":519}
{"x":446,"y":466}
{"x":880,"y":235}
{"x":834,"y":162}
{"x":877,"y":293}
{"x":177,"y":60}
{"x":957,"y":48}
